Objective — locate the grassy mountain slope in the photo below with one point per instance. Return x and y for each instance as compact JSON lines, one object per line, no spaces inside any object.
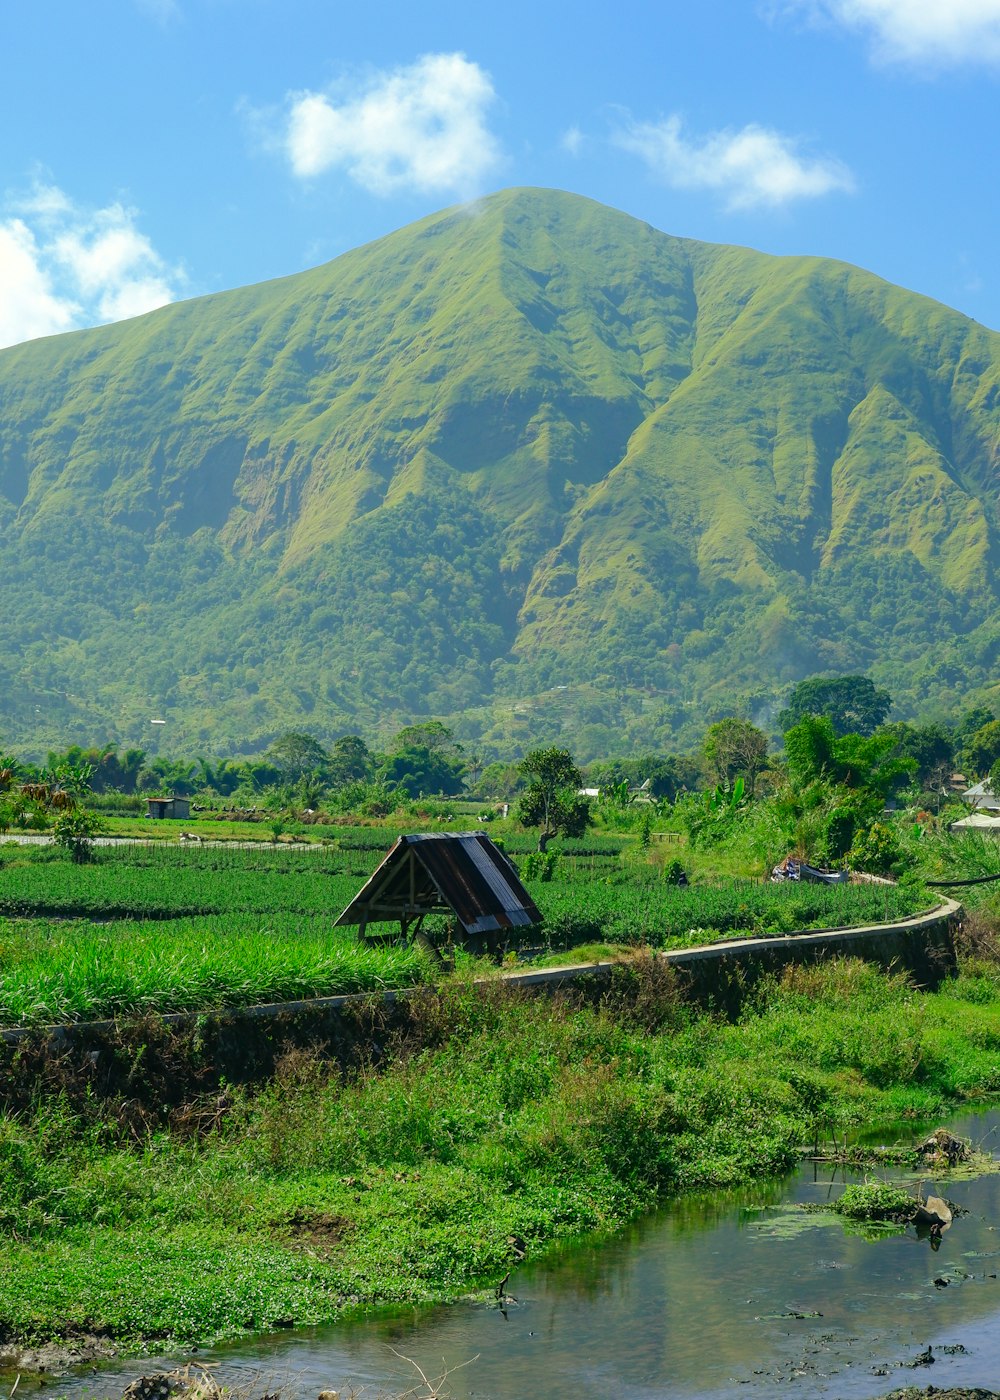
{"x":523,"y":444}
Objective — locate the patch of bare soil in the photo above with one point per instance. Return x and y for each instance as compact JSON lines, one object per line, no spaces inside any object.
{"x":57,"y":1357}
{"x":314,"y":1230}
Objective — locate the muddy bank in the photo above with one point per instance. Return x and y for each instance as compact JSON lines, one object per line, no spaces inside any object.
{"x":57,"y":1357}
{"x":910,"y":1393}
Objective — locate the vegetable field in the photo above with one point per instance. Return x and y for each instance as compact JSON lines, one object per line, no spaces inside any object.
{"x":186,"y":928}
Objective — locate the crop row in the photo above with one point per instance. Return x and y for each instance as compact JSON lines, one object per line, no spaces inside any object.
{"x":159,"y":881}
{"x":664,"y":915}
{"x":587,"y":899}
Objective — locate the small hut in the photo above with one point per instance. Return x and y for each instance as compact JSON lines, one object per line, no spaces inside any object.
{"x":168,"y":808}
{"x":465,"y":875}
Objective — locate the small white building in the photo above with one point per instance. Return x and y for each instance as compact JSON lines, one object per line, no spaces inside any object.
{"x":978,"y":821}
{"x":981,"y":798}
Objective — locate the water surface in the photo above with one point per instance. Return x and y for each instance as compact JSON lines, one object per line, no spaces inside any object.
{"x":694,"y":1302}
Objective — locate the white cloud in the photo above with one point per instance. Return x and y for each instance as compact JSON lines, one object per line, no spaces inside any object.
{"x":572,"y":141}
{"x":29,"y":306}
{"x":421,"y":128}
{"x":63,"y":266}
{"x":933,"y":33}
{"x":752,"y":167}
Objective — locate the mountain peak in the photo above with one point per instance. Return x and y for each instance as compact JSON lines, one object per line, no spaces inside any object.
{"x":525,"y":440}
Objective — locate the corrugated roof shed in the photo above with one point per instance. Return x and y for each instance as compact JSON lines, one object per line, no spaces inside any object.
{"x":465,"y":874}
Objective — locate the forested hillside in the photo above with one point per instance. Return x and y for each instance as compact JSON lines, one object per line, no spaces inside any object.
{"x":519,"y":446}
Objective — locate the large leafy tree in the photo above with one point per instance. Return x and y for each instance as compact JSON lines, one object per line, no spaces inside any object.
{"x":351,"y":761}
{"x":969,"y":722}
{"x":982,"y":749}
{"x":110,"y":771}
{"x":864,"y":764}
{"x":430,"y":734}
{"x":735,"y":748}
{"x":931,"y":746}
{"x":297,"y":755}
{"x":420,"y":771}
{"x":853,"y":704}
{"x":552,"y":801}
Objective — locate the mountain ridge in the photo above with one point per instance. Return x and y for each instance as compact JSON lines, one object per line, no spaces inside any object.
{"x":632,"y":456}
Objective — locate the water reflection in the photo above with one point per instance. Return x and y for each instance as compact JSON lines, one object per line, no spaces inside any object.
{"x":733,"y":1293}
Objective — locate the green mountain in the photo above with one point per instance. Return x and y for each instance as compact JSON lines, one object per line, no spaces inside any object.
{"x":529,"y":463}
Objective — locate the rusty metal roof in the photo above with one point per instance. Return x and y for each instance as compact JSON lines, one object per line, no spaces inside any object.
{"x":463,"y":873}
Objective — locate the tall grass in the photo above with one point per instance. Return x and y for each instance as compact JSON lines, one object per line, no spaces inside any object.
{"x":77,"y":971}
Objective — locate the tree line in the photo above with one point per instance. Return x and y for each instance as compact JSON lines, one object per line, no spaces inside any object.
{"x":842,"y":762}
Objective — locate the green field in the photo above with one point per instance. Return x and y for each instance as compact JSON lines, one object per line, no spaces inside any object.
{"x":190,"y":928}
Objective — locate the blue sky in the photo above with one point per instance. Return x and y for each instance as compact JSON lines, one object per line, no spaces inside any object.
{"x":157,"y":149}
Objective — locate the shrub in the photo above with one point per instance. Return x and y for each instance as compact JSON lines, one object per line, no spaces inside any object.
{"x":875,"y":849}
{"x":74,"y":830}
{"x":876,"y":1200}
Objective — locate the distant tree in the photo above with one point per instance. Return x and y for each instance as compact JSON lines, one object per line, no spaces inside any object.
{"x":10,"y":768}
{"x":551,"y":800}
{"x":70,"y":780}
{"x":110,"y":771}
{"x":994,"y":778}
{"x":667,"y":777}
{"x":178,"y":776}
{"x":296,"y":754}
{"x":931,"y":746}
{"x":969,"y":722}
{"x":351,"y":761}
{"x":853,"y":704}
{"x":420,"y":772}
{"x":429,"y":734}
{"x":224,"y":778}
{"x":809,"y":746}
{"x":982,"y":749}
{"x":499,"y":780}
{"x":735,"y":748}
{"x":865,"y":764}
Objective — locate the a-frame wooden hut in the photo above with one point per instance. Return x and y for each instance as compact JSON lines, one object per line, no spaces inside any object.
{"x":465,"y":875}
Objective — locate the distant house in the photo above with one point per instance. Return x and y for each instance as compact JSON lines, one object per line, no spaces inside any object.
{"x":978,"y":821}
{"x":168,"y":808}
{"x":980,"y":798}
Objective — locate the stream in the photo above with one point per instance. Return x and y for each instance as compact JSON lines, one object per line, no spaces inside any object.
{"x":732,"y":1294}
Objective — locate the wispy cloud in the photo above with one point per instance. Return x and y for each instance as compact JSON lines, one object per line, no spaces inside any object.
{"x":928,"y":33}
{"x":572,"y":141}
{"x":63,"y":265}
{"x":162,"y":11}
{"x":752,"y":167}
{"x":421,"y":128}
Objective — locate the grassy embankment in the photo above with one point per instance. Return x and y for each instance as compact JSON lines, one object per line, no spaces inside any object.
{"x":484,"y":1123}
{"x":193,"y":928}
{"x":492,"y":1123}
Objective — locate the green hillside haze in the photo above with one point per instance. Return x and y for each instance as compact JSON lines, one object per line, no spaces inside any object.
{"x":523,"y":444}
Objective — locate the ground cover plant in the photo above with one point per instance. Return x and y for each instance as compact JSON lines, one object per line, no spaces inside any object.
{"x":434,"y":1168}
